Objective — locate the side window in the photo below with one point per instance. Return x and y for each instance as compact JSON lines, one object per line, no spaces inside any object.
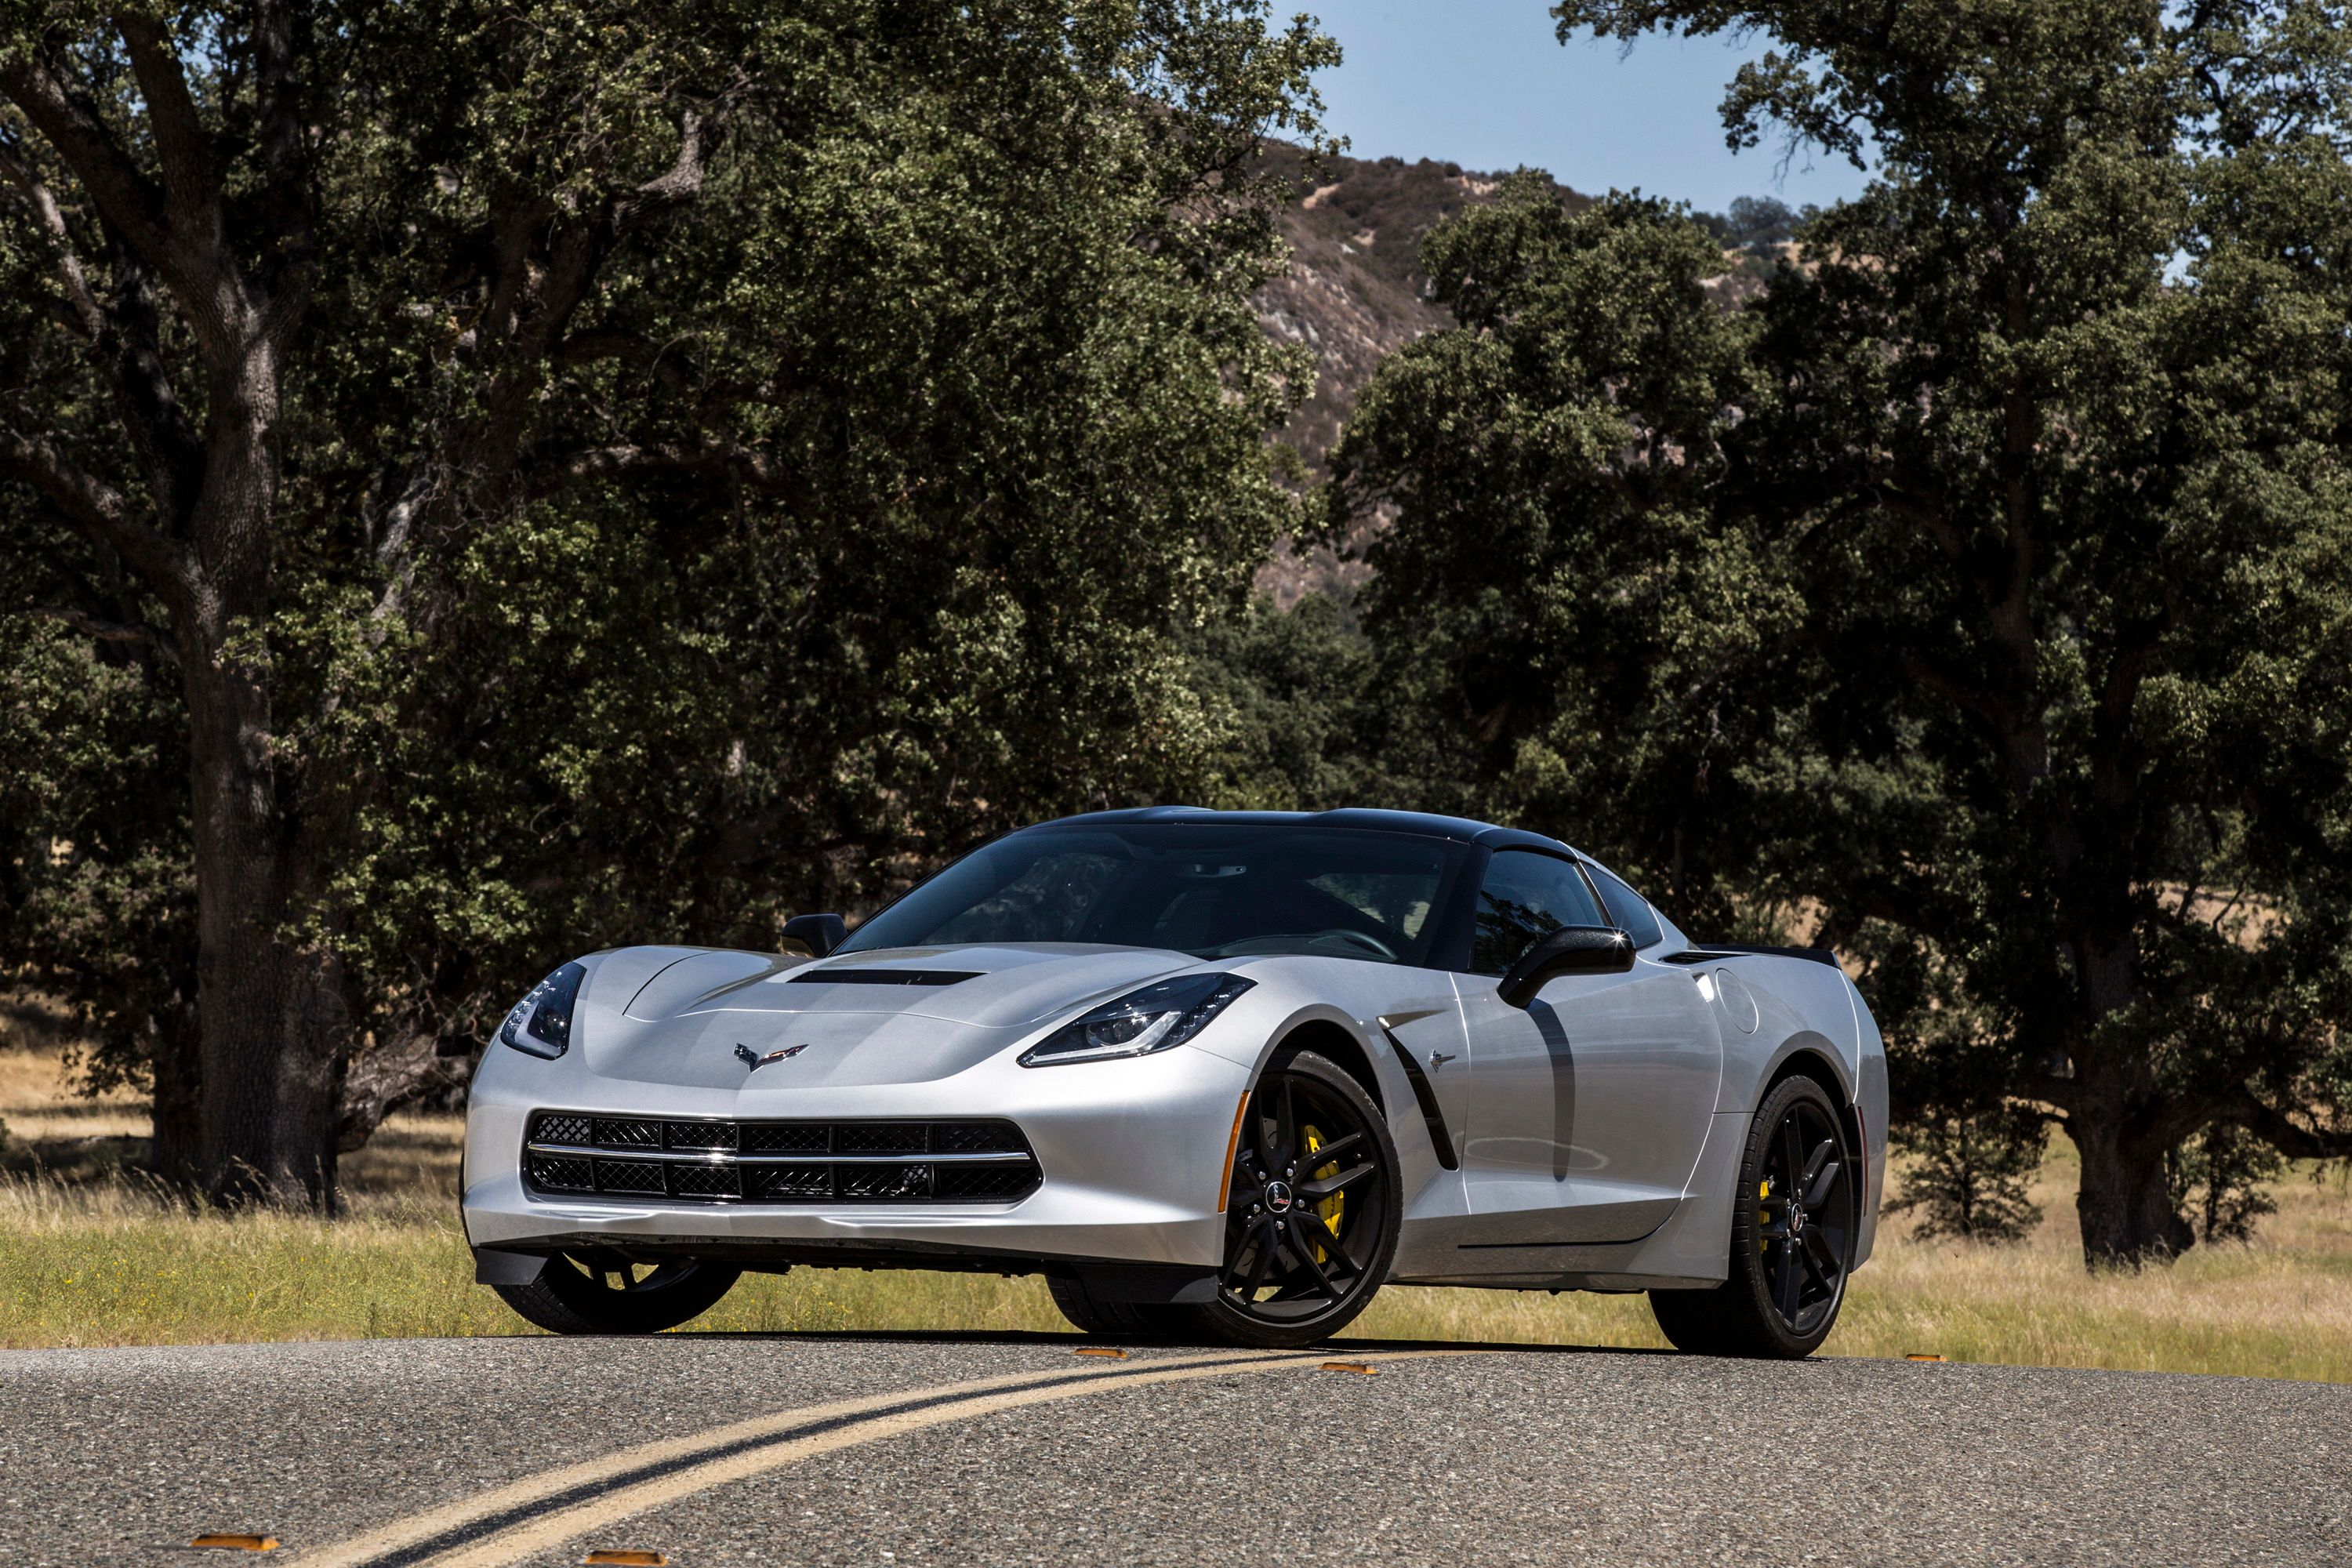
{"x":1630,"y":912}
{"x":1525,"y":896}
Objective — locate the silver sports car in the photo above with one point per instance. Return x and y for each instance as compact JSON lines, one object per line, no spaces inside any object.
{"x":1212,"y":1074}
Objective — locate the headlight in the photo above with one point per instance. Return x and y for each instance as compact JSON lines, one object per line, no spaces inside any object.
{"x":1139,"y":1022}
{"x":541,"y":1023}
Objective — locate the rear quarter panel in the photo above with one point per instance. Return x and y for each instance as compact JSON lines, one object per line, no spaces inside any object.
{"x":1804,"y":1007}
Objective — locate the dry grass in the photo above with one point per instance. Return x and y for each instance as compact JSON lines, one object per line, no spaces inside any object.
{"x":109,"y":1259}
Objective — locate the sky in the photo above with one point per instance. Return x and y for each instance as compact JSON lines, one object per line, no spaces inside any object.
{"x":1485,"y":84}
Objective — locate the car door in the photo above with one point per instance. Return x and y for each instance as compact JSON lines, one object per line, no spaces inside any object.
{"x":1588,"y":1107}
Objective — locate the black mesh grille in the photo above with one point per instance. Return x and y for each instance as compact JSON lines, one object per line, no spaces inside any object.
{"x":880,"y":1138}
{"x":981,"y":1183}
{"x":562,"y":1173}
{"x":884,"y":1181}
{"x":701,"y":1134}
{"x":782,"y":1162}
{"x":786,"y":1138}
{"x":562,"y":1130}
{"x":704,"y":1181}
{"x":977,"y":1138}
{"x":628,"y":1176}
{"x":786,"y":1182}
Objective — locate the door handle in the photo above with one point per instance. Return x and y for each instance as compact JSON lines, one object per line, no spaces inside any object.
{"x":1439,"y":1059}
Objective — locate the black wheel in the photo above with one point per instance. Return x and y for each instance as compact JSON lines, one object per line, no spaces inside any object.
{"x":1793,"y":1228}
{"x":1311,"y":1215}
{"x":1118,"y":1319}
{"x":596,"y":1290}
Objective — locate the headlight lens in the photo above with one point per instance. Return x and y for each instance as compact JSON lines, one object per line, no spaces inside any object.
{"x":1139,"y":1022}
{"x":541,"y":1024}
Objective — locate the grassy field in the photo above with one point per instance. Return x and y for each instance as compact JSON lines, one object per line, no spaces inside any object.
{"x":89,"y":1255}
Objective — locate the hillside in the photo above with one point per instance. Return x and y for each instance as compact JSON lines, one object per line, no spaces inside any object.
{"x":1354,"y":293}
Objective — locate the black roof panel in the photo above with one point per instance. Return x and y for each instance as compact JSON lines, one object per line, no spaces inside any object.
{"x":1461,"y":829}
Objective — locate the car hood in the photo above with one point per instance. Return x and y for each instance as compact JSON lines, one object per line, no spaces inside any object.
{"x":894,"y":1015}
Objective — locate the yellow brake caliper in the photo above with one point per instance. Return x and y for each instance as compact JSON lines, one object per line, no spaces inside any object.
{"x":1330,"y":1208}
{"x":1763,"y":1216}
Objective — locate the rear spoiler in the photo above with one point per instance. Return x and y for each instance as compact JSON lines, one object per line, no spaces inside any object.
{"x":1740,"y":949}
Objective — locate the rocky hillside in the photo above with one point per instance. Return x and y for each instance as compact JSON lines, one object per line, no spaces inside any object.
{"x":1355,"y":292}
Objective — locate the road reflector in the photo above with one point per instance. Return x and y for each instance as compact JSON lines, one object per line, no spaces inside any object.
{"x":1917,"y":1356}
{"x":629,"y":1556}
{"x":1364,"y":1367}
{"x":236,"y":1543}
{"x":1112,"y":1352}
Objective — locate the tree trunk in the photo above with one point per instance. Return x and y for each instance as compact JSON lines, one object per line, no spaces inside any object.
{"x":2125,"y":1201}
{"x":270,"y":1014}
{"x":177,"y":1150}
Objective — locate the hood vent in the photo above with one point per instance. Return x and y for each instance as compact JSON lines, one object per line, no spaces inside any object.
{"x":884,"y":976}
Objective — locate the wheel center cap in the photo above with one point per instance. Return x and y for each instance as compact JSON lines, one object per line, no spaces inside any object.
{"x":1796,"y":1219}
{"x":1278,"y":1197}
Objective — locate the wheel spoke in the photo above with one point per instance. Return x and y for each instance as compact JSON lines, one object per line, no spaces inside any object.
{"x":1333,"y":1150}
{"x":1320,"y":1234}
{"x":1822,"y":1259}
{"x":1819,"y":1186}
{"x":1265,"y":1262}
{"x":1305,"y":1251}
{"x":1788,"y":1282}
{"x":1286,"y":1124}
{"x":1821,"y":1154}
{"x":1792,"y":1154}
{"x":1331,"y":1186}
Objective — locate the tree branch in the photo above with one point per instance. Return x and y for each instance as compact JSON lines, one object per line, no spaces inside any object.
{"x":191,"y":192}
{"x":47,"y":216}
{"x":94,"y":507}
{"x":104,"y":630}
{"x":124,"y":195}
{"x":2273,"y":1127}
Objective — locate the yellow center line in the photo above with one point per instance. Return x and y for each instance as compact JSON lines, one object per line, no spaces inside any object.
{"x":545,"y":1531}
{"x":417,"y":1528}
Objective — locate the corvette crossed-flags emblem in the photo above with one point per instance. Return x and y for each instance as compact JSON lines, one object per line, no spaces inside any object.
{"x":754,"y":1060}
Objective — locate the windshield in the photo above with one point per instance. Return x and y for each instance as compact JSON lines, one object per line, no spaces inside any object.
{"x":1211,"y":890}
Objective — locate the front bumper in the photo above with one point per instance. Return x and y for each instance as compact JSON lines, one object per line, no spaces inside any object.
{"x":1131,"y":1156}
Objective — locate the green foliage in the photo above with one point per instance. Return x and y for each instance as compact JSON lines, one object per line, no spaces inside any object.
{"x":2223,"y":1177}
{"x":728,"y":460}
{"x":1554,"y":588}
{"x":1297,"y":687}
{"x":1980,"y":592}
{"x":1969,"y":1173}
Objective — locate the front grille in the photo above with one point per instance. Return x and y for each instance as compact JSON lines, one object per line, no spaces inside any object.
{"x":570,"y":1154}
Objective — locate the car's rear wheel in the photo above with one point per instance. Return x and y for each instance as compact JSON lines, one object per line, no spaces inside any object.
{"x":1794,"y":1224}
{"x":597,"y":1290}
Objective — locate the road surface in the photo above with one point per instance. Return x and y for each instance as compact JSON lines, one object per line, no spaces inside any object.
{"x":899,"y":1451}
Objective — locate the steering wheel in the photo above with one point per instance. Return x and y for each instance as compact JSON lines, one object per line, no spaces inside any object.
{"x":1348,"y":933}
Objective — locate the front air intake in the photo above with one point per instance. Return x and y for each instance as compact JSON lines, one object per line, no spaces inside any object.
{"x":570,"y":1154}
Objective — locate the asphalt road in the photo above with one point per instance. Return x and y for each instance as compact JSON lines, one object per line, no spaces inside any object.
{"x":872,"y":1450}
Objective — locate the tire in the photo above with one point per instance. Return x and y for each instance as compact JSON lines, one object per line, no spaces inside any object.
{"x":1145,"y":1321}
{"x":1789,"y":1261}
{"x":599,"y":1291}
{"x":1315,"y":1158}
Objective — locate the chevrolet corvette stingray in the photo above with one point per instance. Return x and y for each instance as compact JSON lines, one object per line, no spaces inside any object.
{"x":1213,"y":1075}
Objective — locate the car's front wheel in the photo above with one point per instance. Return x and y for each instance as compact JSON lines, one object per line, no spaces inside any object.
{"x":1312,"y":1213}
{"x":597,"y":1290}
{"x":1796,"y":1218}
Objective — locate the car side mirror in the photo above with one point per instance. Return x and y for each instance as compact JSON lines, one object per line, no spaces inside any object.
{"x":818,"y":933}
{"x":1571,"y":949}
